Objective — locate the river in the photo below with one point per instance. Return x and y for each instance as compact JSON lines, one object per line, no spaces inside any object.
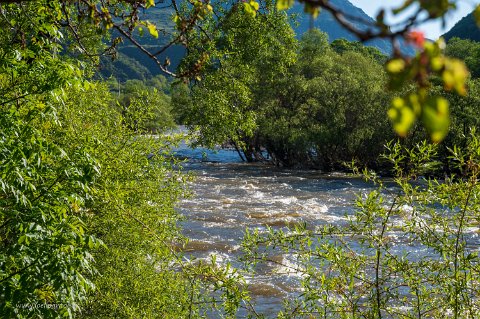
{"x":229,"y":196}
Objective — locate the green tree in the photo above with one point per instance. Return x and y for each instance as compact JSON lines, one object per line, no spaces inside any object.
{"x":44,"y":254}
{"x":465,"y":115}
{"x":323,"y":109}
{"x":181,"y":100}
{"x":137,"y":97}
{"x":329,"y":109}
{"x":130,"y":209}
{"x":250,"y":55}
{"x":342,"y":45}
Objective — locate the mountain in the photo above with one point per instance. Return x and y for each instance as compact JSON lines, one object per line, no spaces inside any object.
{"x":134,"y":64}
{"x":466,"y":28}
{"x":327,"y":23}
{"x":131,"y":63}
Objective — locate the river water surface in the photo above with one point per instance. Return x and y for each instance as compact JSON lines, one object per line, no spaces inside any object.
{"x":230,"y":196}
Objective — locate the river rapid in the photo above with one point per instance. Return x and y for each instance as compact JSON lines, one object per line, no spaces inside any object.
{"x":229,"y":196}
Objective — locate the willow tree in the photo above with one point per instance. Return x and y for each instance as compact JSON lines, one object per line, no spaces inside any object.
{"x":249,"y":56}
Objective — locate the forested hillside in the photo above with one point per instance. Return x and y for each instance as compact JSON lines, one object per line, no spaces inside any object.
{"x":131,"y":63}
{"x":467,"y":28}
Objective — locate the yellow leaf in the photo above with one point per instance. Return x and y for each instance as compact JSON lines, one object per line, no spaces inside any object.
{"x":415,"y":104}
{"x":249,"y":9}
{"x":392,"y":113}
{"x":406,"y":120}
{"x":398,"y":102}
{"x":448,"y":79}
{"x":254,"y":5}
{"x":150,"y":3}
{"x":284,"y":4}
{"x":401,"y":115}
{"x":152,"y":29}
{"x":396,"y":66}
{"x":455,"y":75}
{"x":442,"y":106}
{"x":436,"y":63}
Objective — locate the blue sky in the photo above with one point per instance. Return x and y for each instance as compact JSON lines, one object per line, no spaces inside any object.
{"x":433,"y":29}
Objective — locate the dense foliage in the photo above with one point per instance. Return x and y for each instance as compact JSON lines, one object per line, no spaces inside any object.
{"x":227,"y":103}
{"x":149,"y":98}
{"x":44,"y":254}
{"x":323,"y":106}
{"x":87,"y":225}
{"x":329,"y":108}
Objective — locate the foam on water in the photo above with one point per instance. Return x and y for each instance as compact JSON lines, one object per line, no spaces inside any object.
{"x":313,"y":207}
{"x":258,"y":195}
{"x":247,"y":186}
{"x":287,"y":266}
{"x":284,"y":200}
{"x":229,"y":197}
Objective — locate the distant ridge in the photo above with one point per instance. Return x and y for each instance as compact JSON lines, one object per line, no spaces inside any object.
{"x":133,"y":64}
{"x":466,"y":29}
{"x":327,"y":23}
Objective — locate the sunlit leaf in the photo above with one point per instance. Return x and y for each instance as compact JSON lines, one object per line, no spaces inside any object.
{"x":396,"y":65}
{"x":455,"y":75}
{"x":436,"y":119}
{"x":150,"y":3}
{"x":437,"y":63}
{"x":152,"y":29}
{"x":248,"y":9}
{"x":401,"y":115}
{"x":312,"y":10}
{"x":284,"y":4}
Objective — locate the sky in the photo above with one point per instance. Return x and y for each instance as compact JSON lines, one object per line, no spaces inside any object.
{"x":433,"y":29}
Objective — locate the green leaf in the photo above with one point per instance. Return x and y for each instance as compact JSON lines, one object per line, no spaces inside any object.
{"x":22,"y":239}
{"x":436,"y":118}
